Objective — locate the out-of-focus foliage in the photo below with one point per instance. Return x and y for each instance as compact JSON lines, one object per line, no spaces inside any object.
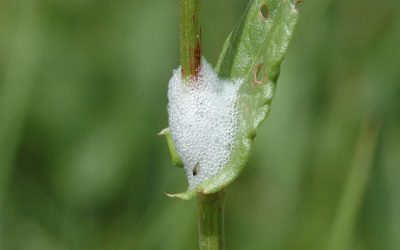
{"x":83,"y":94}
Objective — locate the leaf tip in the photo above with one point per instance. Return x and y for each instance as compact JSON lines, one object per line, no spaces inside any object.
{"x":183,"y":196}
{"x":165,"y":131}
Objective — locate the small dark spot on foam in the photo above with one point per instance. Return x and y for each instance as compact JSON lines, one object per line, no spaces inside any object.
{"x":195,"y":169}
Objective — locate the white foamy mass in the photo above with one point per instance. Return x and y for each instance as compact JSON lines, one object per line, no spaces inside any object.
{"x":203,"y":122}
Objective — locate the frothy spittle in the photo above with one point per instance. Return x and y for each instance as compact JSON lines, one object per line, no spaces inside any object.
{"x":203,"y":122}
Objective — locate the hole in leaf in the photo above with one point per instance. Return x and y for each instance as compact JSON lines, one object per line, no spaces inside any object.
{"x":297,"y":3}
{"x":264,"y":11}
{"x":260,"y":75}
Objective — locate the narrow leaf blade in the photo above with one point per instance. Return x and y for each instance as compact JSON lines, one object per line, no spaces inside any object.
{"x":253,"y":52}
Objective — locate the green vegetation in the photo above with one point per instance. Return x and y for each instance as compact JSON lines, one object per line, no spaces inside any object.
{"x":252,"y":53}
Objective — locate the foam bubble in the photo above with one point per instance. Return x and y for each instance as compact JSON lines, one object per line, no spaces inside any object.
{"x":203,"y":122}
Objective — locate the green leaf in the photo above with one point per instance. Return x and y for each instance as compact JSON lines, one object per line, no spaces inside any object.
{"x":253,"y":53}
{"x":176,"y":160}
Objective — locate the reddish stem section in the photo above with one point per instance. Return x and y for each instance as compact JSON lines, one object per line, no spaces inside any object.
{"x":196,"y":62}
{"x":190,"y":39}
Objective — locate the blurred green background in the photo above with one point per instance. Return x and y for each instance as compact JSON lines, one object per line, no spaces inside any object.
{"x":83,"y":88}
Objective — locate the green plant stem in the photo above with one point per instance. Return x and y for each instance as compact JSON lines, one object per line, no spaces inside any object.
{"x":354,"y":191}
{"x":210,"y":209}
{"x":190,"y":39}
{"x":211,"y":206}
{"x":16,"y":91}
